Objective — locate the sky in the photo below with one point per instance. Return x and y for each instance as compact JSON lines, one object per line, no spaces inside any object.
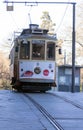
{"x":15,"y":21}
{"x":18,"y":19}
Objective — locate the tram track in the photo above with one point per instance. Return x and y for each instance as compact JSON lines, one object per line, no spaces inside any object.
{"x":60,"y":118}
{"x":53,"y":111}
{"x":52,"y":120}
{"x":67,"y":100}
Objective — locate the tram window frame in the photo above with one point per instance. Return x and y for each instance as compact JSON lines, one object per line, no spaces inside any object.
{"x":25,"y":50}
{"x":50,"y":55}
{"x":38,"y":49}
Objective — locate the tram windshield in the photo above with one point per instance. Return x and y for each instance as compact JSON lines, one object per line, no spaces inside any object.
{"x":38,"y":49}
{"x":25,"y":50}
{"x":50,"y":51}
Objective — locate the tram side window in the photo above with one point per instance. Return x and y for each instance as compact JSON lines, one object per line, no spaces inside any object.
{"x":25,"y":50}
{"x":50,"y":51}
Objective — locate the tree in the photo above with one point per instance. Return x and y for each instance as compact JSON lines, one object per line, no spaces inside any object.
{"x":4,"y":71}
{"x":67,"y":38}
{"x":80,"y":23}
{"x":6,"y":47}
{"x":47,"y":22}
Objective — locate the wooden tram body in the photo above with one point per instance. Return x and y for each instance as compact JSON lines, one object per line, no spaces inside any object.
{"x":33,"y":60}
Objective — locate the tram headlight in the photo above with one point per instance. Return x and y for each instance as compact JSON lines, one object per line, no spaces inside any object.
{"x":37,"y":70}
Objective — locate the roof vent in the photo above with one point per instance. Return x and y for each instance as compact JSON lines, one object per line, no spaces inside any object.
{"x":33,"y":26}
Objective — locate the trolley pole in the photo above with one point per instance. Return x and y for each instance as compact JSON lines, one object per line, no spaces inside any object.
{"x":73,"y":50}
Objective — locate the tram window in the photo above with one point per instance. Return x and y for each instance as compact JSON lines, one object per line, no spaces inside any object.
{"x":16,"y":49}
{"x":25,"y":50}
{"x":38,"y":51}
{"x":50,"y":51}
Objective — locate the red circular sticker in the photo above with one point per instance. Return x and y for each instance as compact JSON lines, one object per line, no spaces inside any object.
{"x":46,"y":72}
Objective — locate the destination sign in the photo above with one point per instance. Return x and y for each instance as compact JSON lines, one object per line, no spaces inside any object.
{"x":38,"y":41}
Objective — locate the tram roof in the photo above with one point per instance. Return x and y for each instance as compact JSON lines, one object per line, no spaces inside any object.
{"x":34,"y":31}
{"x":50,"y":37}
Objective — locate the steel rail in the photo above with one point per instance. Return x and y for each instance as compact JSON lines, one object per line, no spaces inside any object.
{"x":67,"y":100}
{"x":45,"y":113}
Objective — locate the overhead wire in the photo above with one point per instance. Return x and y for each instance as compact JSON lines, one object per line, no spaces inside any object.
{"x":12,"y":17}
{"x":61,"y":21}
{"x":28,"y":15}
{"x":14,"y":21}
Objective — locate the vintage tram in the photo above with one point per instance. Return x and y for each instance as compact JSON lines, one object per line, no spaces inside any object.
{"x":33,"y":60}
